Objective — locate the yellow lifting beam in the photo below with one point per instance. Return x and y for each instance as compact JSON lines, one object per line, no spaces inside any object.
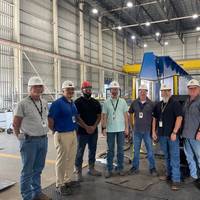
{"x":191,"y":64}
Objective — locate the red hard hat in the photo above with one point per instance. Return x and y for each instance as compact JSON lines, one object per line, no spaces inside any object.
{"x":86,"y":84}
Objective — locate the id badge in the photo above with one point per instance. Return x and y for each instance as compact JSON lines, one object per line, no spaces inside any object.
{"x":114,"y":116}
{"x":44,"y":124}
{"x":160,"y":124}
{"x":140,"y":115}
{"x":73,"y":119}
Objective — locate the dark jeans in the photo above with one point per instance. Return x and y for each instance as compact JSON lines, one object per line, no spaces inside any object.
{"x":137,"y":140}
{"x":84,"y":139}
{"x":120,"y":150}
{"x":171,"y":152}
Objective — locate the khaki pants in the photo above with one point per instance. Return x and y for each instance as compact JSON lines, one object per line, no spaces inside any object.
{"x":66,"y":144}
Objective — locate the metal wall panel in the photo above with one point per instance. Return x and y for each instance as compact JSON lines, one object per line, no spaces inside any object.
{"x":119,"y":51}
{"x":6,"y":56}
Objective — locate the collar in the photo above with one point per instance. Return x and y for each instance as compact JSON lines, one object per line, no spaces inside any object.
{"x":65,"y":100}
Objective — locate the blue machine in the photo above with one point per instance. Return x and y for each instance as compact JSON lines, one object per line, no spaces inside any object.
{"x":155,"y":67}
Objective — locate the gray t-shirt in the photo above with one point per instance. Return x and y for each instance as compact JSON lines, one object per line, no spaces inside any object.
{"x":191,"y":123}
{"x":32,"y":123}
{"x":142,"y":115}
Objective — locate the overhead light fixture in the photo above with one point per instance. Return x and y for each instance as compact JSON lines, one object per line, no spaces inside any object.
{"x":198,"y":28}
{"x":145,"y":45}
{"x":119,"y":28}
{"x":133,"y":37}
{"x":157,"y":34}
{"x":129,"y":4}
{"x":166,"y":43}
{"x":147,"y":24}
{"x":94,"y":11}
{"x":195,"y":16}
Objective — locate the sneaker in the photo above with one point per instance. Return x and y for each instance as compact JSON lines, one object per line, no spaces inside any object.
{"x":153,"y":172}
{"x":94,"y":172}
{"x":165,"y":178}
{"x":73,"y":184}
{"x":108,"y":174}
{"x":133,"y":171}
{"x":175,"y":186}
{"x":42,"y":196}
{"x":64,"y":191}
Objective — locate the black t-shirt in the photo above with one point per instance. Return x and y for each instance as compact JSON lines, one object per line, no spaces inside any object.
{"x":88,"y":110}
{"x":171,"y":111}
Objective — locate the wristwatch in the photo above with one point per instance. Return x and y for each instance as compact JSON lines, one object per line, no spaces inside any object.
{"x":174,"y":133}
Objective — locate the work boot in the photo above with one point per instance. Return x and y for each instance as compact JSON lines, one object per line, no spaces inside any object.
{"x":73,"y":184}
{"x":93,"y":172}
{"x":165,"y":178}
{"x":133,"y":171}
{"x":42,"y":196}
{"x":175,"y":186}
{"x":108,"y":174}
{"x":153,"y":172}
{"x":79,"y":176}
{"x":64,"y":191}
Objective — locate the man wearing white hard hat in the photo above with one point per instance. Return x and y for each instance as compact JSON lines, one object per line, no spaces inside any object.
{"x":167,"y":119}
{"x":142,"y":108}
{"x":30,"y":126}
{"x":62,"y":121}
{"x":191,"y":129}
{"x":115,"y":126}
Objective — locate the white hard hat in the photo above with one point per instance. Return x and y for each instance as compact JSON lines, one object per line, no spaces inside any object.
{"x":143,"y":87}
{"x":194,"y":83}
{"x":35,"y":80}
{"x":67,"y":84}
{"x":114,"y":84}
{"x":165,"y":87}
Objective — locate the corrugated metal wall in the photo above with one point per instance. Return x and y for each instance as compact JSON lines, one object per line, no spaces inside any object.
{"x":68,"y":34}
{"x":36,"y":30}
{"x":6,"y":56}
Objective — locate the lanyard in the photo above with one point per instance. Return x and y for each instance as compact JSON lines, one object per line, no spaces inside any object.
{"x":114,"y":107}
{"x":163,"y":107}
{"x":39,"y":111}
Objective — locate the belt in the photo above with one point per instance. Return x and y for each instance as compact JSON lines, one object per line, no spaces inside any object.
{"x":34,"y":137}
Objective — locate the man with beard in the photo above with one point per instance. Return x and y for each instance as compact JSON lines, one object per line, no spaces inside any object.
{"x":167,"y":119}
{"x":89,"y":117}
{"x":115,"y":126}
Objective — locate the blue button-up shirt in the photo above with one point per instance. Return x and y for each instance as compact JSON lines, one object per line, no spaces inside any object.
{"x":64,"y":114}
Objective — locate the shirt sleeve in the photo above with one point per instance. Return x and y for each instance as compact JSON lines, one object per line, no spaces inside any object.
{"x":125,"y":106}
{"x":19,"y":110}
{"x":178,"y":111}
{"x":99,"y":109}
{"x":105,"y":108}
{"x":53,"y":111}
{"x":131,"y":109}
{"x":155,"y":111}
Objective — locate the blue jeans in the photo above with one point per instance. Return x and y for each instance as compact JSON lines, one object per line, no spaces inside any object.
{"x":84,"y":139}
{"x":137,"y":140}
{"x":171,"y":152}
{"x":120,"y":150}
{"x":33,"y":155}
{"x":192,"y":152}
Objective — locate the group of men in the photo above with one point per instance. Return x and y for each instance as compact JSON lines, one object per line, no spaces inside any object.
{"x":75,"y":124}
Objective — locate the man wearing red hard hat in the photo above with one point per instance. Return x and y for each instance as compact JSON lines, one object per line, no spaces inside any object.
{"x":90,"y":116}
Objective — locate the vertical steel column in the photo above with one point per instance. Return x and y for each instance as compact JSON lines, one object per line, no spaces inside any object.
{"x":114,"y":52}
{"x":183,"y":48}
{"x":81,"y":35}
{"x":100,"y":59}
{"x":125,"y":62}
{"x":176,"y":84}
{"x":57,"y":62}
{"x":134,"y":88}
{"x":18,"y":62}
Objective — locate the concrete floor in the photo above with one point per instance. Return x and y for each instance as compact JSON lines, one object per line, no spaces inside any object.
{"x":10,"y":164}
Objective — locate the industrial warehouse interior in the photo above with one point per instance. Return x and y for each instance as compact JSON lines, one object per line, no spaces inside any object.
{"x":116,"y":78}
